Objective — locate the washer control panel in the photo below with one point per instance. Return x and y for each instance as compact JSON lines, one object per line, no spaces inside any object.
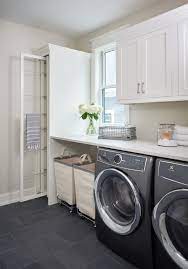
{"x":122,"y":160}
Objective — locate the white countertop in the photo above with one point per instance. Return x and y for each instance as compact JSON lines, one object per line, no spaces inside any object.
{"x":136,"y":146}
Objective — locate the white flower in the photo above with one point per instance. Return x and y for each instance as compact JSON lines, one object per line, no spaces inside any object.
{"x":91,"y":109}
{"x":83,"y":108}
{"x":100,"y":109}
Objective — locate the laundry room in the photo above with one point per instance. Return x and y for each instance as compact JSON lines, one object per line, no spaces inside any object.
{"x":94,"y":134}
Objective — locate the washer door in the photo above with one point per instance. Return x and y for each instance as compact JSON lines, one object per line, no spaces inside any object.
{"x":118,"y":201}
{"x":170,"y":221}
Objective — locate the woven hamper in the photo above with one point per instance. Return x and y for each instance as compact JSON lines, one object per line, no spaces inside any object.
{"x":65,"y":180}
{"x":84,"y":176}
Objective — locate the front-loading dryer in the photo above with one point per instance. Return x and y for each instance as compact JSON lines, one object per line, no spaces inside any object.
{"x":170,"y":214}
{"x":123,"y":197}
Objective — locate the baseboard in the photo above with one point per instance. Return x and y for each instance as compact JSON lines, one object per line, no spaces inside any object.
{"x":34,"y":196}
{"x":13,"y":197}
{"x":9,"y":198}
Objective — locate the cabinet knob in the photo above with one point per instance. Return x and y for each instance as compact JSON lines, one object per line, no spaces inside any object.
{"x":142,"y":87}
{"x":138,"y":88}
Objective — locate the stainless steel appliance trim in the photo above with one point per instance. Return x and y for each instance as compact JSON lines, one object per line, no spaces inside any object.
{"x":120,"y":229}
{"x":159,"y":224}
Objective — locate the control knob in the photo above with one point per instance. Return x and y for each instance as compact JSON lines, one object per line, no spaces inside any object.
{"x":117,"y":159}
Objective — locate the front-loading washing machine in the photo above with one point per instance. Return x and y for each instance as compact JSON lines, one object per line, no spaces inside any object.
{"x":170,"y":214}
{"x":123,"y":197}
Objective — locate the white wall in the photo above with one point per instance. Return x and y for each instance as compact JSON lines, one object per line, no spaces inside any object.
{"x":15,"y":38}
{"x":146,"y":117}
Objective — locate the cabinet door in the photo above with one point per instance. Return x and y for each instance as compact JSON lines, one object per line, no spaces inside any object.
{"x":183,"y":57}
{"x":128,"y":70}
{"x":157,"y":64}
{"x":69,"y":87}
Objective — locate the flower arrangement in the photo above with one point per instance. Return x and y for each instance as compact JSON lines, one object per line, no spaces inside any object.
{"x":91,"y":112}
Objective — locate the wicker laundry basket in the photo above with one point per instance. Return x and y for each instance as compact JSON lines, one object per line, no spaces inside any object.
{"x":65,"y":180}
{"x":84,"y":182}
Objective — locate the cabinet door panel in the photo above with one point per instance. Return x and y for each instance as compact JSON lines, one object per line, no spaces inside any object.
{"x":156,"y":64}
{"x":130,"y":68}
{"x":69,"y":87}
{"x":183,"y":57}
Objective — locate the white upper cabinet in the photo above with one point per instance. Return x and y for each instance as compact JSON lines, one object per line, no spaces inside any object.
{"x":156,"y":70}
{"x":152,"y":59}
{"x":129,"y":70}
{"x":183,"y":57}
{"x":146,"y":66}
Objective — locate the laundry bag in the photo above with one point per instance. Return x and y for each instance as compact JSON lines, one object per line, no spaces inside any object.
{"x":65,"y":179}
{"x":84,"y":176}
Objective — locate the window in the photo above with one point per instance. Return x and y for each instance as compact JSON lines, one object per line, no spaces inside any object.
{"x":113,"y":112}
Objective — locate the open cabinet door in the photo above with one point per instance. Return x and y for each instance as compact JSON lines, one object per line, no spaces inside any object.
{"x":69,"y":86}
{"x":69,"y":76}
{"x":33,"y":156}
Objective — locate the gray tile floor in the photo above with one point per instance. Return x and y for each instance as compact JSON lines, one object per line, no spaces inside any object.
{"x":35,"y":236}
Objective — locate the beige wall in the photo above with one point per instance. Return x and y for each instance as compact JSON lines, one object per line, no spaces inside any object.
{"x":146,"y":117}
{"x":14,"y":39}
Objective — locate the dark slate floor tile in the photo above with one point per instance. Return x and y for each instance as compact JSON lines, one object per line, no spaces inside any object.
{"x":74,"y":229}
{"x":48,"y":263}
{"x":107,"y":262}
{"x":16,"y":259}
{"x":16,"y":209}
{"x":7,"y":243}
{"x":8,"y":224}
{"x":36,"y":236}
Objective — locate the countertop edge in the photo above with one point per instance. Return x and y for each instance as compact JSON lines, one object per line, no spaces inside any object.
{"x":140,"y":147}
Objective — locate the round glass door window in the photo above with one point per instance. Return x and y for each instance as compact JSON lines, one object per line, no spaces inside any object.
{"x":170,"y":221}
{"x":118,"y":201}
{"x":177,"y":225}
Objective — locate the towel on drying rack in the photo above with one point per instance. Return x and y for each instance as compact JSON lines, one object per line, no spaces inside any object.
{"x":33,"y":131}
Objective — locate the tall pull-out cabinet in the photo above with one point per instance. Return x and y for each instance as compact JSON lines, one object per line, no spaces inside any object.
{"x":52,"y":85}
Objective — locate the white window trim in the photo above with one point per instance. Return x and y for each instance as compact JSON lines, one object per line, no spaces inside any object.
{"x":96,"y":94}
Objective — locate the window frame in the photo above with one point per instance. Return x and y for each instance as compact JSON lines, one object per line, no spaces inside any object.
{"x":103,"y":85}
{"x":99,"y":80}
{"x":103,"y":63}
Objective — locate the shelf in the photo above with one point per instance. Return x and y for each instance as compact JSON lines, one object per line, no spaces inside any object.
{"x":35,"y":74}
{"x":35,"y":96}
{"x":37,"y":150}
{"x":37,"y":174}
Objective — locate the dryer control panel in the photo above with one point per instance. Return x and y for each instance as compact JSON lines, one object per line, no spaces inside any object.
{"x":122,"y":160}
{"x":175,"y":171}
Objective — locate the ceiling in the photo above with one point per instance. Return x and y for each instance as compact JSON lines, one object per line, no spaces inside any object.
{"x":72,"y":17}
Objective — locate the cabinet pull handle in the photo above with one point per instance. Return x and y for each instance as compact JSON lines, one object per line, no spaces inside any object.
{"x":142,"y":87}
{"x":138,"y":88}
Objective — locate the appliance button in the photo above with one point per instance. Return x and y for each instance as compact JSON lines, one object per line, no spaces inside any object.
{"x":117,"y":159}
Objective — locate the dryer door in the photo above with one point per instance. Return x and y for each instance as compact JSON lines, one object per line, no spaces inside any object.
{"x":170,"y":221}
{"x":118,"y":201}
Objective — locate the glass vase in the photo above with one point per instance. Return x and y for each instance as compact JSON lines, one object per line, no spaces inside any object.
{"x":91,"y":130}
